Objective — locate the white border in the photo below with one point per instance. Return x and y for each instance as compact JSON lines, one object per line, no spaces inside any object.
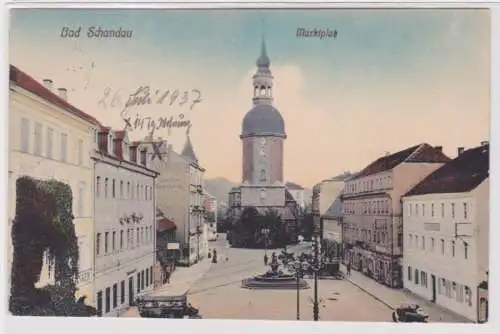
{"x":135,"y":326}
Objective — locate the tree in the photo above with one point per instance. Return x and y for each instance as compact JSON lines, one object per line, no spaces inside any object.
{"x":272,"y":220}
{"x":307,"y":226}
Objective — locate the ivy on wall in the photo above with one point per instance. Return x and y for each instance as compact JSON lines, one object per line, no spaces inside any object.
{"x":43,"y":227}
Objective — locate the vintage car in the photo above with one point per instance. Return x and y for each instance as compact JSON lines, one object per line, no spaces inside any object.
{"x":410,"y":313}
{"x":166,"y":307}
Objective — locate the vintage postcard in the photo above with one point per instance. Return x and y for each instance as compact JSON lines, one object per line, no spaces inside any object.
{"x":303,"y":164}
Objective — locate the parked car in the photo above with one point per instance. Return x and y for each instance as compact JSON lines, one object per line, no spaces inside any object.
{"x":410,"y":313}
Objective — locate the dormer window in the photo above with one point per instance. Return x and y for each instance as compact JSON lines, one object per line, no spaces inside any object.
{"x":110,"y":144}
{"x":126,"y":150}
{"x":143,"y":157}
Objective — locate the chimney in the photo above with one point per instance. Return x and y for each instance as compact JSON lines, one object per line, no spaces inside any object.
{"x":485,"y":142}
{"x":48,"y":84}
{"x":63,"y":93}
{"x":439,"y":148}
{"x":460,"y":150}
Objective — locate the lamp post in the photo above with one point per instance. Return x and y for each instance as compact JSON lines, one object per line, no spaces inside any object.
{"x":316,"y":269}
{"x":265,"y":232}
{"x":298,"y":269}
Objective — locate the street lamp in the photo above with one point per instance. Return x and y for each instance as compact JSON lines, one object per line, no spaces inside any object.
{"x":298,"y":271}
{"x":265,"y":232}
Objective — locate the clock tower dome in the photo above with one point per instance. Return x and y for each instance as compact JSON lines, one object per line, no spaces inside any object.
{"x":263,"y":130}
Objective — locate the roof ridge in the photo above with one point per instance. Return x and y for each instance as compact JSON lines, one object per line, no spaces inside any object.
{"x":415,"y":151}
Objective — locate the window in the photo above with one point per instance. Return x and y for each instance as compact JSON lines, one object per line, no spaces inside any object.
{"x":64,"y":147}
{"x":142,"y":235}
{"x":151,"y":275}
{"x":142,"y":280}
{"x":81,"y":199}
{"x":416,"y":276}
{"x":432,"y":210}
{"x":147,"y":277}
{"x":468,"y":296}
{"x":138,"y":237}
{"x":106,"y":181}
{"x":97,"y":186}
{"x":129,"y":242}
{"x":99,"y":302}
{"x":137,"y":192}
{"x":466,"y":250}
{"x":146,"y":192}
{"x":423,"y":243}
{"x":452,"y":210}
{"x":97,"y":243}
{"x":128,"y":189}
{"x":423,"y":278}
{"x":442,"y":246}
{"x":108,"y":300}
{"x":416,"y":209}
{"x":122,"y":292}
{"x":432,"y":244}
{"x":80,"y":151}
{"x":143,"y":157}
{"x":460,"y":293}
{"x":115,"y":295}
{"x":114,"y":241}
{"x":106,"y":237}
{"x":38,"y":139}
{"x":113,"y":190}
{"x":453,"y":248}
{"x":121,"y":240}
{"x":423,"y":210}
{"x":411,"y":209}
{"x":465,"y":211}
{"x":121,"y":189}
{"x":138,"y":282}
{"x":50,"y":142}
{"x":409,"y":273}
{"x":442,"y":210}
{"x":25,"y":135}
{"x":410,"y":239}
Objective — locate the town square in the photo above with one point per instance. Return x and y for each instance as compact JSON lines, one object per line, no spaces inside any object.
{"x":233,"y":168}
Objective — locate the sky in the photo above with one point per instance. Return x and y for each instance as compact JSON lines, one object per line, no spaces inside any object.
{"x":391,"y":79}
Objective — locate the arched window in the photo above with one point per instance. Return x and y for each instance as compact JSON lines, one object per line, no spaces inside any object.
{"x":263,"y":175}
{"x":262,"y":91}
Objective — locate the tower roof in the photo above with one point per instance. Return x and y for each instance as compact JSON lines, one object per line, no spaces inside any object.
{"x":263,"y":120}
{"x":263,"y":60}
{"x":188,"y":150}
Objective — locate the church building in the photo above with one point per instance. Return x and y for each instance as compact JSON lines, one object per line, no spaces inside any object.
{"x":263,"y":136}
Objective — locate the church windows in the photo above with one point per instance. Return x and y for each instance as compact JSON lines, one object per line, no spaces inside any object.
{"x":263,"y":91}
{"x":263,"y":177}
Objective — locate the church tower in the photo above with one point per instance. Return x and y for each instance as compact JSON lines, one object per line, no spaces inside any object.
{"x":263,"y":130}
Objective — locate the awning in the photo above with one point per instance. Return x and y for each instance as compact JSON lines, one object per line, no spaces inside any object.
{"x":165,"y":224}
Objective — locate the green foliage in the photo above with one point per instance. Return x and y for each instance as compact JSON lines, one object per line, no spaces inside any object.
{"x":43,"y":226}
{"x":248,"y":230}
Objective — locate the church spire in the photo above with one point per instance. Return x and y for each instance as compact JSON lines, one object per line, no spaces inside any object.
{"x":188,"y":150}
{"x":263,"y":61}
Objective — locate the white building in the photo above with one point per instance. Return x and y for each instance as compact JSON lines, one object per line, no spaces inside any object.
{"x":446,"y":231}
{"x":180,"y":188}
{"x":372,"y":210}
{"x":210,"y":205}
{"x":51,"y":139}
{"x":297,"y":193}
{"x":125,"y":222}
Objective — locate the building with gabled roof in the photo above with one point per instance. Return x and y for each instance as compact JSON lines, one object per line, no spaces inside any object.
{"x":50,"y":138}
{"x":372,"y":211}
{"x":446,"y":235}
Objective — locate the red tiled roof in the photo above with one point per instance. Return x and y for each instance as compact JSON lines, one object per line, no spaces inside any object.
{"x":463,"y":174}
{"x":165,"y":224}
{"x":416,"y":154}
{"x":24,"y":81}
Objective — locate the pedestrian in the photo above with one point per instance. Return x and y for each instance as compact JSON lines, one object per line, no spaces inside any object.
{"x":349,"y":269}
{"x":265,"y":259}
{"x":167,"y":276}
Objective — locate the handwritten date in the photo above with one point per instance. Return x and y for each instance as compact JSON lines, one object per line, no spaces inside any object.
{"x":144,"y":95}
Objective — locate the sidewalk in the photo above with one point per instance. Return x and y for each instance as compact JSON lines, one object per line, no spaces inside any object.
{"x":181,"y":281}
{"x":393,"y":298}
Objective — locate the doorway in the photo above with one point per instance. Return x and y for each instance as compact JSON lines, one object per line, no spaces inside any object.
{"x":131,"y":291}
{"x":433,"y":282}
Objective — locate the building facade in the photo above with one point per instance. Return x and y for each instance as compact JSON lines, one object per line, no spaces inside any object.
{"x":372,"y":211}
{"x":125,"y":222}
{"x":180,"y":189}
{"x":210,"y":205}
{"x":446,"y":235}
{"x":51,"y":139}
{"x":263,"y":135}
{"x":297,"y":192}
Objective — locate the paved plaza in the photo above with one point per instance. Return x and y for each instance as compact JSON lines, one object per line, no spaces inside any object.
{"x":215,"y":288}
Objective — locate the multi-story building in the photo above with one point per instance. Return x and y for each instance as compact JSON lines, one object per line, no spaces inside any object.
{"x":297,"y":192}
{"x":180,"y":188}
{"x":210,"y":205}
{"x":372,"y":211}
{"x":446,"y":235}
{"x":51,"y":139}
{"x":125,"y":222}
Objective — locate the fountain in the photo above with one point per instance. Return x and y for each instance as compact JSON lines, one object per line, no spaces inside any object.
{"x":274,"y":279}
